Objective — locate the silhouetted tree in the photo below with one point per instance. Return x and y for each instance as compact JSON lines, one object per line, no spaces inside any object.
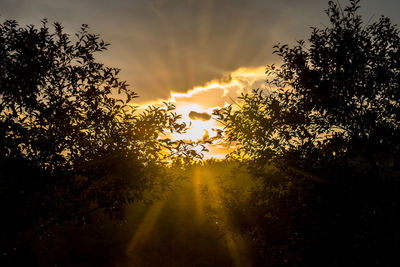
{"x":325,"y":141}
{"x":70,"y":141}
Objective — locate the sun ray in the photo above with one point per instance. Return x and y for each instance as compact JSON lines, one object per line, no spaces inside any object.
{"x":145,"y":228}
{"x":198,"y":198}
{"x":236,"y":245}
{"x":205,"y":99}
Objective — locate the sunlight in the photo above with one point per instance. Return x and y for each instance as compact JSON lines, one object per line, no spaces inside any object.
{"x":197,"y":129}
{"x":198,"y":198}
{"x":236,"y":245}
{"x":203,"y":99}
{"x":146,"y":226}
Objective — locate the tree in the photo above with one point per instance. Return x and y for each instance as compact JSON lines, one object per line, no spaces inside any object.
{"x":324,"y":139}
{"x":71,"y":143}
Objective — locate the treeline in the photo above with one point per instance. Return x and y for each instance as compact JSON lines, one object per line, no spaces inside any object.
{"x":324,"y":141}
{"x":321,"y":144}
{"x":71,"y":141}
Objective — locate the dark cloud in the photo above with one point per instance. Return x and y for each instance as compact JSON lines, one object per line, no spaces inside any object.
{"x":204,"y":116}
{"x":164,"y":45}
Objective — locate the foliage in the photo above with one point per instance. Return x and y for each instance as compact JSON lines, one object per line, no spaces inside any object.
{"x":324,"y":139}
{"x":71,"y":143}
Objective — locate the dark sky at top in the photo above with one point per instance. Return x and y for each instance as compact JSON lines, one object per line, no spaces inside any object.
{"x":164,"y":45}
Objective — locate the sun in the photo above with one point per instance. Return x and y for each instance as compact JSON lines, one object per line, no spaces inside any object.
{"x":197,"y":129}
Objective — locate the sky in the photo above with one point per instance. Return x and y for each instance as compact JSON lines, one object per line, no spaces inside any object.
{"x":199,"y":54}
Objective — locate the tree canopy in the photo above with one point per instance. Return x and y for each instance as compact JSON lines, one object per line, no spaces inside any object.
{"x":340,"y":85}
{"x":71,"y":141}
{"x":324,"y":139}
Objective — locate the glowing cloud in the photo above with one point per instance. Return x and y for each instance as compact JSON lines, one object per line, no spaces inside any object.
{"x":204,"y":116}
{"x":198,"y":103}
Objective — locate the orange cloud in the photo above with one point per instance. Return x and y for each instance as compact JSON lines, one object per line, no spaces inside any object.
{"x":196,"y":104}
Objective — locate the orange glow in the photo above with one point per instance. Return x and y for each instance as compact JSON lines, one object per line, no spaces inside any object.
{"x":204,"y":99}
{"x":145,"y":227}
{"x":199,"y":129}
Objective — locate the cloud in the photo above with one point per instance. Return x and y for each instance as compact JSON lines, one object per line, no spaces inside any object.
{"x":204,"y":116}
{"x":196,"y":104}
{"x":218,"y":92}
{"x":164,"y":45}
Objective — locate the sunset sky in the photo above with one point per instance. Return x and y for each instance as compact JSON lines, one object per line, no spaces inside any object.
{"x":196,"y":53}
